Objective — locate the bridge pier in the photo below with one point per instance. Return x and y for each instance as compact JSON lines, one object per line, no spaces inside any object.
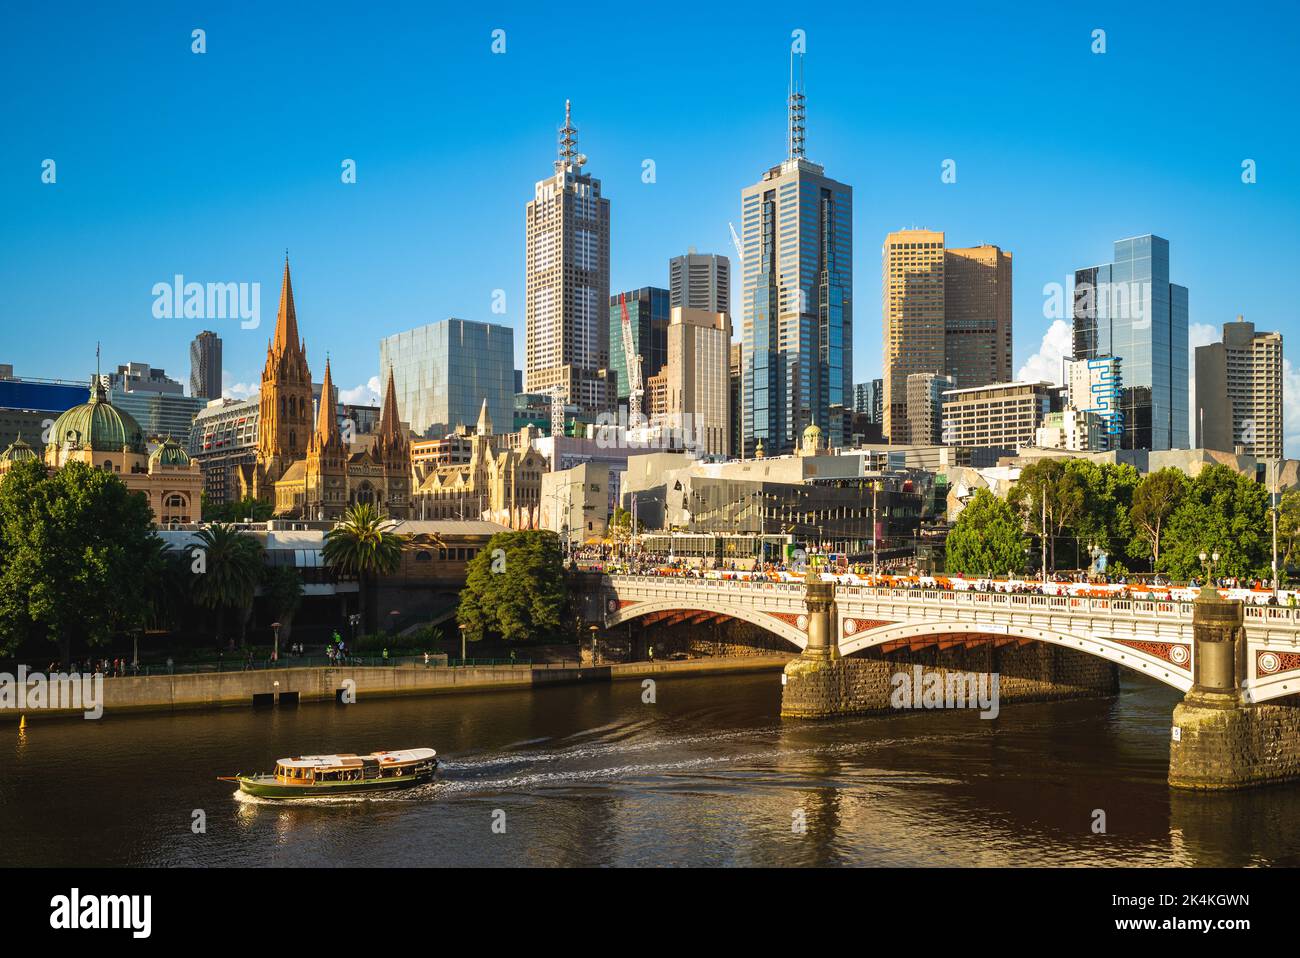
{"x":1220,"y":741}
{"x":813,"y":685}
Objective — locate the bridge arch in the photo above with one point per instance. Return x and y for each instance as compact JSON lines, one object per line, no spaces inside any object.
{"x":769,"y":623}
{"x":1143,"y":662}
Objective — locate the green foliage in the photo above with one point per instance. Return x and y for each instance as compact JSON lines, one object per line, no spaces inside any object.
{"x":73,"y":544}
{"x":987,"y":538}
{"x":1224,"y":512}
{"x":364,"y":545}
{"x":517,"y":594}
{"x":1154,"y":501}
{"x":283,"y":587}
{"x":247,"y":509}
{"x":226,"y":574}
{"x":1288,"y":527}
{"x":1050,"y":493}
{"x":622,"y":520}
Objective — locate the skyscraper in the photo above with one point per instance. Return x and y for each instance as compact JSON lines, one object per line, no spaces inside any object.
{"x":1239,"y":392}
{"x":697,"y":379}
{"x":205,"y":366}
{"x":700,"y":281}
{"x":1130,"y":310}
{"x":797,"y":299}
{"x":443,"y":373}
{"x":945,"y":311}
{"x":567,"y":283}
{"x":648,"y":314}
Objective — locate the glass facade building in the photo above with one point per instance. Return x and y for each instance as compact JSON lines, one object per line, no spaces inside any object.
{"x":442,"y":372}
{"x":796,"y":302}
{"x":649,"y":313}
{"x":1128,"y":309}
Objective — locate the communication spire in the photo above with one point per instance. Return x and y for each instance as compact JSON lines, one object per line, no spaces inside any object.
{"x":569,"y":140}
{"x":796,"y":109}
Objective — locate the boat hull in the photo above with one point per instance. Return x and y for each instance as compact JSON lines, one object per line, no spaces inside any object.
{"x":267,"y":786}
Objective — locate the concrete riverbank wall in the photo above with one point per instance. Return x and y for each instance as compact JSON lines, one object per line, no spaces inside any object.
{"x":290,"y":686}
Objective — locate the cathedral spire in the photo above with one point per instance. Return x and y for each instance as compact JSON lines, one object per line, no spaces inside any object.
{"x":327,"y":426}
{"x":390,"y":423}
{"x":286,"y":321}
{"x":484,"y":427}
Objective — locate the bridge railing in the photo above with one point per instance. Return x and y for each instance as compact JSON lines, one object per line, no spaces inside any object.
{"x":1140,"y":608}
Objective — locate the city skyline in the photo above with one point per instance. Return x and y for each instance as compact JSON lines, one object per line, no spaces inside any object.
{"x":362,"y":259}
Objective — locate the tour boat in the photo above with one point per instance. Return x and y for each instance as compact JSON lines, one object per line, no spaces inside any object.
{"x":311,"y":776}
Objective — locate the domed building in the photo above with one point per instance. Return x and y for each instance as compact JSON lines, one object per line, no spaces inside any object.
{"x":104,"y":437}
{"x":812,"y":441}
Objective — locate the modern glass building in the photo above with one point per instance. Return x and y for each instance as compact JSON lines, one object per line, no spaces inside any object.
{"x":649,"y":313}
{"x":1128,"y":309}
{"x":442,"y":372}
{"x":796,"y":301}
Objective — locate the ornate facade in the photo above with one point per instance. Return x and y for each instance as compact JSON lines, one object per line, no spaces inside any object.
{"x":304,"y":467}
{"x":499,"y":484}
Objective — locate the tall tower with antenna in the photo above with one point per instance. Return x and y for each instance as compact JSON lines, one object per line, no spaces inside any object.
{"x":797,"y":296}
{"x":566,"y":285}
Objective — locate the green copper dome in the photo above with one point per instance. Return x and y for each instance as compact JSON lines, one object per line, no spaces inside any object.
{"x":170,"y":453}
{"x":18,"y":451}
{"x":96,"y":425}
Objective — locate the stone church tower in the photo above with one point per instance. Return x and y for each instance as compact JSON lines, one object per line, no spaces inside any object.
{"x":285,"y":422}
{"x":392,"y":451}
{"x":325,"y":481}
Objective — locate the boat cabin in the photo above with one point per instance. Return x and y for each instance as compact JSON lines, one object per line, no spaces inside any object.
{"x":308,"y":769}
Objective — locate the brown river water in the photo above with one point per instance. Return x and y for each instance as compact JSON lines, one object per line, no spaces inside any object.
{"x":709,"y":774}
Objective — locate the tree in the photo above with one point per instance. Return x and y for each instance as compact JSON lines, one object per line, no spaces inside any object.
{"x":227,"y":565}
{"x":247,"y":509}
{"x":987,"y":538}
{"x":1154,"y":501}
{"x":73,"y":543}
{"x":1063,"y":489}
{"x":363,"y":544}
{"x":515,"y":588}
{"x":1224,"y":512}
{"x":283,"y":587}
{"x":1288,"y":526}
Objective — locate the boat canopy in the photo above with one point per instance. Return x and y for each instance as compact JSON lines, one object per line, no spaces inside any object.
{"x":352,"y":760}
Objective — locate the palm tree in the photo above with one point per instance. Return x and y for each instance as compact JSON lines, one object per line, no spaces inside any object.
{"x":226,"y":575}
{"x":363,"y":544}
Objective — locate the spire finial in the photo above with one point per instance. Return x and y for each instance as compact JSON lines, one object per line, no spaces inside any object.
{"x":796,"y":110}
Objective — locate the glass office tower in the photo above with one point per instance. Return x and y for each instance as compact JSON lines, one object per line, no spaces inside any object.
{"x":442,"y":372}
{"x":1130,"y":310}
{"x":649,"y":313}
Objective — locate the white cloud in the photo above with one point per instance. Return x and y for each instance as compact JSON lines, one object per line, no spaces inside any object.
{"x":238,"y":390}
{"x":1045,"y":365}
{"x":363,"y":395}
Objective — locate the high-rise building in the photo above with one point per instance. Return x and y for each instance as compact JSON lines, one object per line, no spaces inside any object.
{"x":697,"y":387}
{"x":999,"y":415}
{"x":1239,"y":392}
{"x":925,"y":392}
{"x":868,"y":399}
{"x":205,"y":366}
{"x":444,"y":371}
{"x":1130,"y":310}
{"x":700,"y":281}
{"x":567,"y":283}
{"x":977,"y":315}
{"x":945,"y":311}
{"x":735,"y":379}
{"x":648,"y":314}
{"x":797,"y":300}
{"x":156,"y":401}
{"x":1095,"y":386}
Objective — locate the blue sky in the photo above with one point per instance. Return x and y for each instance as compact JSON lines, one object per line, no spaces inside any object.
{"x":211,"y":165}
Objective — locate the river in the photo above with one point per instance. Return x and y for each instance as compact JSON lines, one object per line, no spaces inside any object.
{"x":708,"y":774}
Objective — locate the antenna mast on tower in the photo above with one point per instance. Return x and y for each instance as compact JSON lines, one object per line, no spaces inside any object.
{"x":796,"y":110}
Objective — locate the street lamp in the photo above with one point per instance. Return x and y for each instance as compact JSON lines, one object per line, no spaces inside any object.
{"x":275,"y":652}
{"x":463,"y":627}
{"x":1208,"y":562}
{"x":593,"y":643}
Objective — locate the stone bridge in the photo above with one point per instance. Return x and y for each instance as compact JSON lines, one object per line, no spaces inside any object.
{"x":1228,"y":659}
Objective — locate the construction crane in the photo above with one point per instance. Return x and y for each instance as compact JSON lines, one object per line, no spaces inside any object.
{"x":635,"y":388}
{"x":735,"y":241}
